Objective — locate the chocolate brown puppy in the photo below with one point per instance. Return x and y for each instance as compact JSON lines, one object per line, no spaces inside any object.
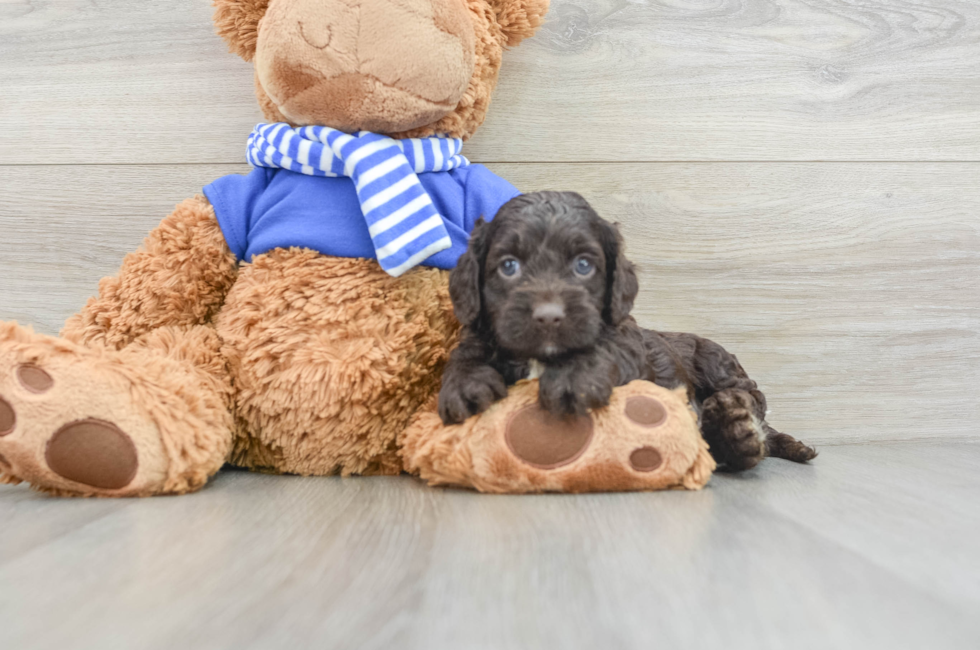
{"x":545,"y":291}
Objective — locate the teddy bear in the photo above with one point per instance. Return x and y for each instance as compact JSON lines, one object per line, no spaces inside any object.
{"x":294,"y":319}
{"x":297,"y":319}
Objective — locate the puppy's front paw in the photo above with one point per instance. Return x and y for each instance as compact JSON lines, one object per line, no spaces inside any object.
{"x":469,"y":392}
{"x":572,"y":391}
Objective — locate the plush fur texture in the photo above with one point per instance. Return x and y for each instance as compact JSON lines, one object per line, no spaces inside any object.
{"x":295,"y":362}
{"x":547,"y":281}
{"x":330,"y":358}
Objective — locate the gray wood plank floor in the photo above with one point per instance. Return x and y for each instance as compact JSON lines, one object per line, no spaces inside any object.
{"x":873,"y":546}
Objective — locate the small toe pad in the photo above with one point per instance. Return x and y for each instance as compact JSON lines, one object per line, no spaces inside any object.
{"x":646,"y":459}
{"x":34,"y":379}
{"x":645,"y":411}
{"x":94,"y":453}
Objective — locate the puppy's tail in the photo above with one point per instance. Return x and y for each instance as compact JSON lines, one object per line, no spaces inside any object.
{"x":783,"y":445}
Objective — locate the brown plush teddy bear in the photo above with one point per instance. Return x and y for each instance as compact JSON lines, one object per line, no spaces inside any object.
{"x":293,"y":319}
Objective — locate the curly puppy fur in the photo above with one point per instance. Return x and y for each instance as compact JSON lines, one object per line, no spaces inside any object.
{"x":546,"y":285}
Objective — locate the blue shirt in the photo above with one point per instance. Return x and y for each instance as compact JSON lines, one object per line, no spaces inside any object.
{"x":278,"y":208}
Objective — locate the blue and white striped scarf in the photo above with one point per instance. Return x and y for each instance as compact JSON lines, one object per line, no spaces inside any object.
{"x":405,"y":226}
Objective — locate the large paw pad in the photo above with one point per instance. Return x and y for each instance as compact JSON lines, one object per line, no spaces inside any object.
{"x":93,"y":452}
{"x":546,"y":441}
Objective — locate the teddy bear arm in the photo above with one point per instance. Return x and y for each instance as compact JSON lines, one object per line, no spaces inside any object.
{"x":178,"y":277}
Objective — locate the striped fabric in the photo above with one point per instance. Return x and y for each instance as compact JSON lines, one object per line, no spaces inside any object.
{"x":405,"y":226}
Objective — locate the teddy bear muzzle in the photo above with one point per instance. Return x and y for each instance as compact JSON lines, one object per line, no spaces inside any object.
{"x":374,"y":65}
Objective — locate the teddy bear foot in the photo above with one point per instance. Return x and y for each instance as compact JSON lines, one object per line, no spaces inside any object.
{"x":70,"y":423}
{"x":645,"y":439}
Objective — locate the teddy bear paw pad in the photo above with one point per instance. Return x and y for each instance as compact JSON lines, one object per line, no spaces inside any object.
{"x":8,"y":417}
{"x":546,"y":441}
{"x":646,"y":459}
{"x":93,"y":452}
{"x":31,"y":378}
{"x":34,"y":379}
{"x":645,"y":411}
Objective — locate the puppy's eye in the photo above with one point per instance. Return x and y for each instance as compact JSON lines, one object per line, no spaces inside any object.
{"x":583,"y":266}
{"x":510,"y":267}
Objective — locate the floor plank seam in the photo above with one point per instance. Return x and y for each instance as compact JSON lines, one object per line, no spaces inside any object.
{"x":895,"y":441}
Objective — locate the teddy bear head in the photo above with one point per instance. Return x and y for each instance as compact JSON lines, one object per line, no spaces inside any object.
{"x":405,"y":68}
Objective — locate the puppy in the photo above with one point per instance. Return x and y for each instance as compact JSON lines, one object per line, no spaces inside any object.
{"x":545,"y":291}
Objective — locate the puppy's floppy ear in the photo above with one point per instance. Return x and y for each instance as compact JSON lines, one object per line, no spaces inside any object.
{"x":519,"y":19}
{"x":466,"y":280}
{"x":621,"y":283}
{"x":237,"y":21}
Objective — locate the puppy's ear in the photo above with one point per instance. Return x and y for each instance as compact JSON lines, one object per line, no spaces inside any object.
{"x":621,"y":283}
{"x":466,"y":280}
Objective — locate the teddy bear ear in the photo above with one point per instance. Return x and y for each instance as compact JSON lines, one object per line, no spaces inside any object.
{"x":237,"y":21}
{"x":519,"y":19}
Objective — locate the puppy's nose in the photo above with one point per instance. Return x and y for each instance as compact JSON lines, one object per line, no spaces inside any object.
{"x":549,"y":314}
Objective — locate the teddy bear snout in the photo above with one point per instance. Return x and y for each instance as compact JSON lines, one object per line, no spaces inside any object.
{"x":373,"y":65}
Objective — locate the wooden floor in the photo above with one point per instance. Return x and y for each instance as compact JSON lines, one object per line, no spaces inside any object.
{"x":797,"y":179}
{"x":874,"y":546}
